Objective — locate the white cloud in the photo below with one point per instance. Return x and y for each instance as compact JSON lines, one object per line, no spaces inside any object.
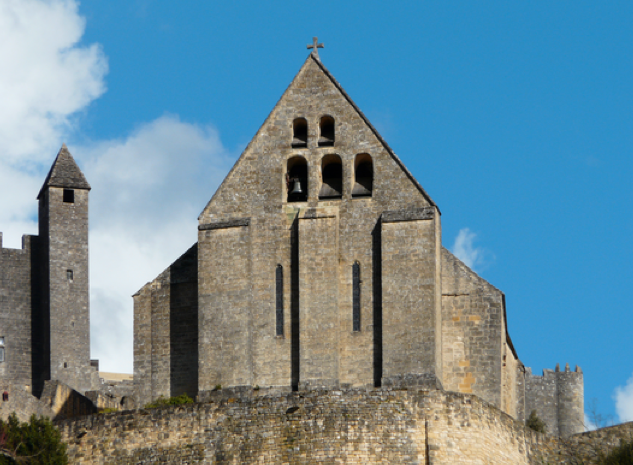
{"x":46,"y":78}
{"x":148,"y":188}
{"x":147,"y":192}
{"x":623,"y":397}
{"x":589,"y":425}
{"x":474,"y":257}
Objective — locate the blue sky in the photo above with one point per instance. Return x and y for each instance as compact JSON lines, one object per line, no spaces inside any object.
{"x":515,"y":117}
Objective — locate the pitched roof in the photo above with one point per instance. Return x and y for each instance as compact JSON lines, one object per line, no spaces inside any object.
{"x":65,"y":173}
{"x":317,"y":60}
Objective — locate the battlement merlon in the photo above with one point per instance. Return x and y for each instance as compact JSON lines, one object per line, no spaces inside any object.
{"x":549,"y":372}
{"x":27,"y":243}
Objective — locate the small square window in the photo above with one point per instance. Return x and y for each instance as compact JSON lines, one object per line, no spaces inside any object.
{"x":69,"y":195}
{"x":69,"y":275}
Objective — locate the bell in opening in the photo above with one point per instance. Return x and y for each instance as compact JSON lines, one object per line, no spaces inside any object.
{"x":326,"y":137}
{"x":364,"y":176}
{"x":296,"y":189}
{"x":297,"y":179}
{"x":332,"y":175}
{"x":300,"y":133}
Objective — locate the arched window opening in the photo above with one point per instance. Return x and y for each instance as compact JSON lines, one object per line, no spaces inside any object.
{"x":332,"y":175}
{"x":279,"y":300}
{"x":300,"y":133}
{"x":297,"y":179}
{"x":364,"y":176}
{"x":356,"y":296}
{"x":326,"y":137}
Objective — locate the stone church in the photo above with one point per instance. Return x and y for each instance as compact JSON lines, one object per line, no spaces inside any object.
{"x":319,"y":265}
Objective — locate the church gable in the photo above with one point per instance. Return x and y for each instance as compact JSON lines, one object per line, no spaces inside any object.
{"x":314,"y":146}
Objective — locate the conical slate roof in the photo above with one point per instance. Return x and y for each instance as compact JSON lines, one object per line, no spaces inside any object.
{"x":65,"y":173}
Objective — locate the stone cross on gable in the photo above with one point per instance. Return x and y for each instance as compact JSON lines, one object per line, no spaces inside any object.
{"x":315,"y":46}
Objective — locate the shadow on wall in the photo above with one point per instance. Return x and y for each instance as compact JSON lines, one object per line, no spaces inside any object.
{"x":183,"y":328}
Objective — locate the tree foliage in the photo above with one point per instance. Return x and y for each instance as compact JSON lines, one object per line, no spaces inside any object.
{"x":535,"y":423}
{"x":37,"y":442}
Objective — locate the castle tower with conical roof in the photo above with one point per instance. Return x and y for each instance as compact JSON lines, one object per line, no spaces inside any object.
{"x":62,"y":308}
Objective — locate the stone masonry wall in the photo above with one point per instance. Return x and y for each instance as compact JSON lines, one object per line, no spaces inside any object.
{"x":318,"y":302}
{"x":143,"y":345}
{"x":472,"y":332}
{"x":166,"y":332}
{"x":66,"y":230}
{"x":22,"y":402}
{"x":15,"y":313}
{"x":225,"y":320}
{"x":254,"y":198}
{"x":354,"y":427}
{"x":511,"y":393}
{"x":410,"y":307}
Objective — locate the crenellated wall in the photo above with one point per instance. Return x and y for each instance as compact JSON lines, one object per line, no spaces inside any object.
{"x":558,"y":398}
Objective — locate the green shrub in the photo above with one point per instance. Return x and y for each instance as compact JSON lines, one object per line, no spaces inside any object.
{"x":535,"y":423}
{"x":621,"y":455}
{"x":37,"y":442}
{"x":163,"y":402}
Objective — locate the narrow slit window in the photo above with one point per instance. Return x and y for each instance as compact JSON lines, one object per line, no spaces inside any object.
{"x":69,"y":196}
{"x":326,"y":136}
{"x":2,"y":349}
{"x":279,"y":298}
{"x":300,"y":132}
{"x":356,"y":296}
{"x":69,"y":275}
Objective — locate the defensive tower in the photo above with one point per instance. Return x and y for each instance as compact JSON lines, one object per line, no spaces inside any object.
{"x":61,"y":320}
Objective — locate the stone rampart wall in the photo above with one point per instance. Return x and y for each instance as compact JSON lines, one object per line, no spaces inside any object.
{"x":586,"y":447}
{"x":356,"y":426}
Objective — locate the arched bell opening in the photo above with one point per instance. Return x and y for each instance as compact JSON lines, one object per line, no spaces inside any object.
{"x":326,"y":132}
{"x":300,"y":133}
{"x":297,"y":179}
{"x":363,"y":176}
{"x":332,"y":176}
